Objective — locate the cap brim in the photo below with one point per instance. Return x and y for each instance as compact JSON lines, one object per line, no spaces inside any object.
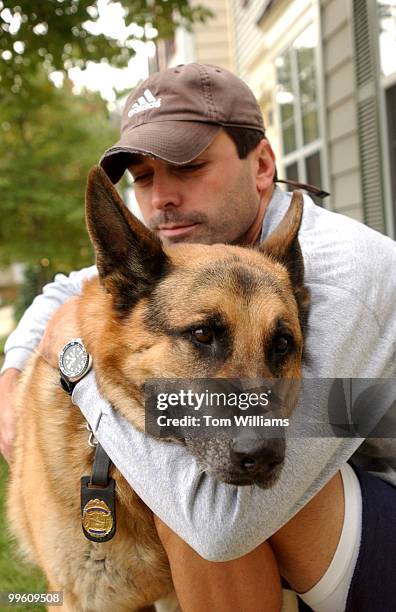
{"x":177,"y":142}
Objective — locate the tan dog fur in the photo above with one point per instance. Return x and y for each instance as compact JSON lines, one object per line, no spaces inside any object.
{"x":132,"y":340}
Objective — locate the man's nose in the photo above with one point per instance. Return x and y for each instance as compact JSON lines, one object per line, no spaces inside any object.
{"x":165,"y":192}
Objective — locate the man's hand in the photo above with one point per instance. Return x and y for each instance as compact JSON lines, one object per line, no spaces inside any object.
{"x":61,"y":328}
{"x":8,"y":383}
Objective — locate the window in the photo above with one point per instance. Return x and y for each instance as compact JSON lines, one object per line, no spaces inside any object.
{"x":387,"y":35}
{"x":285,"y":99}
{"x":391,"y":105}
{"x":386,"y":15}
{"x":297,"y":101}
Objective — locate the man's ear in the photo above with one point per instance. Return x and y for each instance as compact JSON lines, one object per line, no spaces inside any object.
{"x":265,"y":169}
{"x":129,"y":257}
{"x":283,"y":246}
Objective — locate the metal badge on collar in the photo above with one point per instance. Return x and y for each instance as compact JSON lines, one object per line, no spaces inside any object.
{"x":98,"y":510}
{"x":97,"y":519}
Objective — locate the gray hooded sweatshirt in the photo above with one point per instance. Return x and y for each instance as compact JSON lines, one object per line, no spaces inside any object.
{"x":350,"y":271}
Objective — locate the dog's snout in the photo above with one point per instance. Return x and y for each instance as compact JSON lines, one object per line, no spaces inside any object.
{"x":256,"y":456}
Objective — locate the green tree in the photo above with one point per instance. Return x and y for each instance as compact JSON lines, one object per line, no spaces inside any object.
{"x":46,"y":149}
{"x":49,"y":137}
{"x":52,"y":34}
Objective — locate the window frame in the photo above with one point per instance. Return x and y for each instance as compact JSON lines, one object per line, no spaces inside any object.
{"x":302,"y":151}
{"x":385,"y":83}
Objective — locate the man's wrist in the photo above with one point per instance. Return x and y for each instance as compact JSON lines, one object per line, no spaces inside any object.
{"x":10,"y":374}
{"x":87,"y":398}
{"x":82,"y":387}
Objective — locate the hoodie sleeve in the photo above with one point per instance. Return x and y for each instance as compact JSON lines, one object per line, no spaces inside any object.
{"x":26,"y":337}
{"x":220,"y":521}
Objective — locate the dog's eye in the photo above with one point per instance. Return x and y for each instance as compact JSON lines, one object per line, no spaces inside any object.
{"x":282,"y":343}
{"x":204,"y":335}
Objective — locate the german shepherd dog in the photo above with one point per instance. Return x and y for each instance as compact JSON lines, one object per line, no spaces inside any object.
{"x":190,"y":311}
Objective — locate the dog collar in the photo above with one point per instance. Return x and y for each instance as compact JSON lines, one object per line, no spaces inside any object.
{"x":97,"y":490}
{"x":316,"y":191}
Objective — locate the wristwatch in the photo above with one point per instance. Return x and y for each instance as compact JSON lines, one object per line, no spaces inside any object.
{"x":74,"y":363}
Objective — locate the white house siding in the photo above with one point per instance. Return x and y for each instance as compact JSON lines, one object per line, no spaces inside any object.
{"x":248,"y":36}
{"x":341,"y":111}
{"x":257,"y":47}
{"x":211,"y":42}
{"x":258,"y":44}
{"x":214,"y":41}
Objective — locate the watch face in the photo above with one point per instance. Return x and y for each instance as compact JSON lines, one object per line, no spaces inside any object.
{"x":74,"y":360}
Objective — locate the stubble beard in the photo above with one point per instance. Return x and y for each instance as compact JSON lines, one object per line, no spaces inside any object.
{"x":235,"y":214}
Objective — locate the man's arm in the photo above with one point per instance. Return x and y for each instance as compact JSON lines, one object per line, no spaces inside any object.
{"x":194,"y":505}
{"x":220,"y":521}
{"x":170,"y":482}
{"x":8,"y":383}
{"x":25,"y":339}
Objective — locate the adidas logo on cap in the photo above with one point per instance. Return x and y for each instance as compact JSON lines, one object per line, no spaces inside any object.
{"x":144,"y":102}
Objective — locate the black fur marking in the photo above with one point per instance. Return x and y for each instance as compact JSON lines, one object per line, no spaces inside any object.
{"x":129,"y":290}
{"x":130,"y":258}
{"x":293,"y":261}
{"x":242,"y":278}
{"x":155,"y":316}
{"x":245,"y":280}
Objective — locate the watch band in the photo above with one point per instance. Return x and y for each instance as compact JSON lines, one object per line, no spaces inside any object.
{"x":67,"y":385}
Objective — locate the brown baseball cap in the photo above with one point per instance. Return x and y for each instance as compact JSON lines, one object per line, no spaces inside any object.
{"x":174,"y":115}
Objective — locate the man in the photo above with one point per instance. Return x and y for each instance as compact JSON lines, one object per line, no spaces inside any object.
{"x":194,"y":141}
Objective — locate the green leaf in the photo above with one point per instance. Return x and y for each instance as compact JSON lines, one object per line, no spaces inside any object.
{"x":52,"y":35}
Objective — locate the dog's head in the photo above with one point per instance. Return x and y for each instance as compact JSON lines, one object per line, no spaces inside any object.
{"x":193,"y":311}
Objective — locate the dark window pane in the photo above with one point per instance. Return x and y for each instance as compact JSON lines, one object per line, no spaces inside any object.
{"x":313,"y":169}
{"x":310,"y":127}
{"x":286,"y":111}
{"x":285,"y":95}
{"x":313,"y":173}
{"x":306,"y":59}
{"x":391,"y":121}
{"x":289,"y":139}
{"x":308,"y":88}
{"x":284,"y":72}
{"x":292,"y":172}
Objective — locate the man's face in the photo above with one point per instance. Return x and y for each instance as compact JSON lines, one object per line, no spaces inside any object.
{"x":212,"y":199}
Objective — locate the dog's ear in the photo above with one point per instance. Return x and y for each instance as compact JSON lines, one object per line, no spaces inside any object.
{"x":129,"y":257}
{"x":283,"y":246}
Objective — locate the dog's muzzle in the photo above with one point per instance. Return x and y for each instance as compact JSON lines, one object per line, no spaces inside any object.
{"x":256,"y":461}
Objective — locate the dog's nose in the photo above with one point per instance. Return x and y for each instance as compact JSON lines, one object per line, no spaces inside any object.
{"x":254,"y":456}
